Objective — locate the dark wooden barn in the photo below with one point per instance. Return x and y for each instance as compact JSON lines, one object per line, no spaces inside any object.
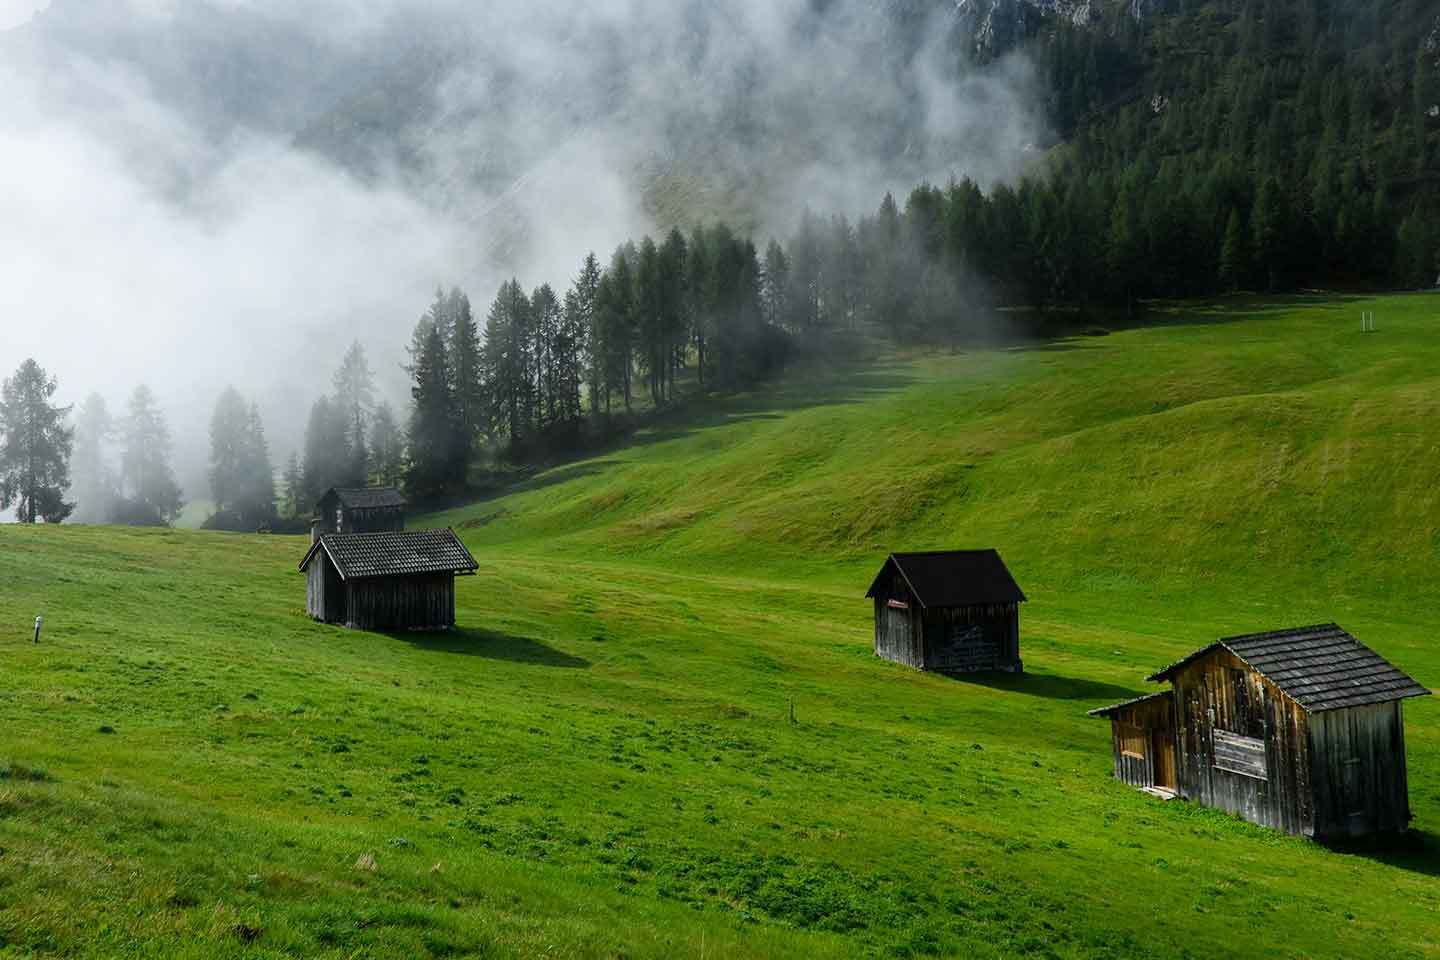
{"x":360,"y":510}
{"x":1301,"y":730}
{"x":391,"y":580}
{"x":952,"y":611}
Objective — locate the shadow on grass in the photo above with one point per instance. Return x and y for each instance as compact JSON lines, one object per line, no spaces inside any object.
{"x":1417,"y":851}
{"x":492,"y":646}
{"x":1048,"y":685}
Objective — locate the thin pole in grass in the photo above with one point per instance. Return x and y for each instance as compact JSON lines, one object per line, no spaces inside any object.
{"x":38,"y":622}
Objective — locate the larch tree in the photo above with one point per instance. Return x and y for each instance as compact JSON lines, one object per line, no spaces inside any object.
{"x":35,"y":447}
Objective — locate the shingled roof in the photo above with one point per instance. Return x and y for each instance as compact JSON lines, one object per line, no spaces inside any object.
{"x":953,"y":578}
{"x":393,"y":553}
{"x":366,"y":498}
{"x":1320,"y":667}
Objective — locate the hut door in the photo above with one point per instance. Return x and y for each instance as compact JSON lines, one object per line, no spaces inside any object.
{"x":1163,"y":750}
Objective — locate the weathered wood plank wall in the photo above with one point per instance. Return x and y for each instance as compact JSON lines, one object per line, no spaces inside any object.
{"x":402,"y":603}
{"x":963,"y":639}
{"x":1141,"y":724}
{"x":1358,"y":770}
{"x":898,"y":624}
{"x":1243,"y":746}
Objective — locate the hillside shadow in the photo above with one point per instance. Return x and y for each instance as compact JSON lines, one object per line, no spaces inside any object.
{"x":465,"y":641}
{"x":1051,"y":686}
{"x":1417,"y":851}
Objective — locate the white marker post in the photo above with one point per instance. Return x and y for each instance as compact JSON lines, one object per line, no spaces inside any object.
{"x":38,"y":622}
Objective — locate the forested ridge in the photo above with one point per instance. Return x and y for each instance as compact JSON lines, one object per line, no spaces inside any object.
{"x":1198,"y":149}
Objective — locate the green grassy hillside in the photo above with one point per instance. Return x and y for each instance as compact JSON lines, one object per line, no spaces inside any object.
{"x":601,"y":761}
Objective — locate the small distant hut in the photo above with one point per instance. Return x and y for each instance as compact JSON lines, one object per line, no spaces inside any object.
{"x":952,"y":611}
{"x":1301,"y":730}
{"x":360,"y":510}
{"x":389,"y":580}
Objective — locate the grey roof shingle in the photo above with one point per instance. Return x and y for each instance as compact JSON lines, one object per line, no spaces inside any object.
{"x":1320,"y":667}
{"x":366,"y":498}
{"x":954,"y":578}
{"x":393,"y":553}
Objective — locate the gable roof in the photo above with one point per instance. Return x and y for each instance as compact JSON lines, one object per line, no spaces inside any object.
{"x":365,"y":498}
{"x":1320,"y":667}
{"x":953,"y":578}
{"x":393,"y":553}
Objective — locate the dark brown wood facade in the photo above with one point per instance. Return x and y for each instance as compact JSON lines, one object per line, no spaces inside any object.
{"x":367,"y":510}
{"x":947,"y":639}
{"x":1229,"y":736}
{"x":417,"y":602}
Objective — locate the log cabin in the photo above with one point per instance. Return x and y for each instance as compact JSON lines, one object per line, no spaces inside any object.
{"x":951,"y":611}
{"x":360,"y":510}
{"x":1301,"y":730}
{"x":387,"y":580}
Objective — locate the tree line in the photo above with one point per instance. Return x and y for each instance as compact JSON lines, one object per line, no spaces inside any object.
{"x":38,"y":450}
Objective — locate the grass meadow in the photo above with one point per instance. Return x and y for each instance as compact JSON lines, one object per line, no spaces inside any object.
{"x":601,"y":760}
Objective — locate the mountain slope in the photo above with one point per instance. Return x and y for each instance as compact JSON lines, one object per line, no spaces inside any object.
{"x":660,"y":729}
{"x":1273,"y":442}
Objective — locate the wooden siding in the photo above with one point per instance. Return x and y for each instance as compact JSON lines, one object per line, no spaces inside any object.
{"x":965,"y":639}
{"x":1218,"y":693}
{"x":946,"y":639}
{"x":898,"y":623}
{"x":401,"y":603}
{"x":1150,"y":725}
{"x":1358,"y":770}
{"x":324,"y":590}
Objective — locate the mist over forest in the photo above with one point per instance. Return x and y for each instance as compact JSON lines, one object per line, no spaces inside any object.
{"x":240,"y":194}
{"x":229,"y":193}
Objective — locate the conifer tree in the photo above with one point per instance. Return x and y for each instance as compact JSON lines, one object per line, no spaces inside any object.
{"x":432,"y":468}
{"x":95,"y":485}
{"x":463,"y":352}
{"x":155,"y":497}
{"x":386,"y":447}
{"x":354,"y":386}
{"x":35,"y":447}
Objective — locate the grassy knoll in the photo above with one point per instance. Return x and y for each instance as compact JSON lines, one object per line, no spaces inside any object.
{"x":601,"y":763}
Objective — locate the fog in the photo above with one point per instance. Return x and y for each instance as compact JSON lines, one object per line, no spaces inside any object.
{"x":193,"y":221}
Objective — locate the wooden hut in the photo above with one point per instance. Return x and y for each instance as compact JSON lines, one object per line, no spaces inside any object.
{"x":392,"y":580}
{"x":360,"y":510}
{"x":952,"y":611}
{"x":1301,"y":730}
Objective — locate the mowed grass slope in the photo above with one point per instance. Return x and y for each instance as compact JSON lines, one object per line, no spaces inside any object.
{"x":601,"y":762}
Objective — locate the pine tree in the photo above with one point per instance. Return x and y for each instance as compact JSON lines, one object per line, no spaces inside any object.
{"x":293,"y":482}
{"x":1233,"y":266}
{"x":257,"y":489}
{"x":35,"y":447}
{"x":94,"y":484}
{"x":327,"y":460}
{"x":586,"y":287}
{"x":386,"y":447}
{"x":775,"y":285}
{"x":228,"y":427}
{"x":432,"y":469}
{"x":354,"y":399}
{"x":155,"y":497}
{"x":674,"y":305}
{"x":466,"y":382}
